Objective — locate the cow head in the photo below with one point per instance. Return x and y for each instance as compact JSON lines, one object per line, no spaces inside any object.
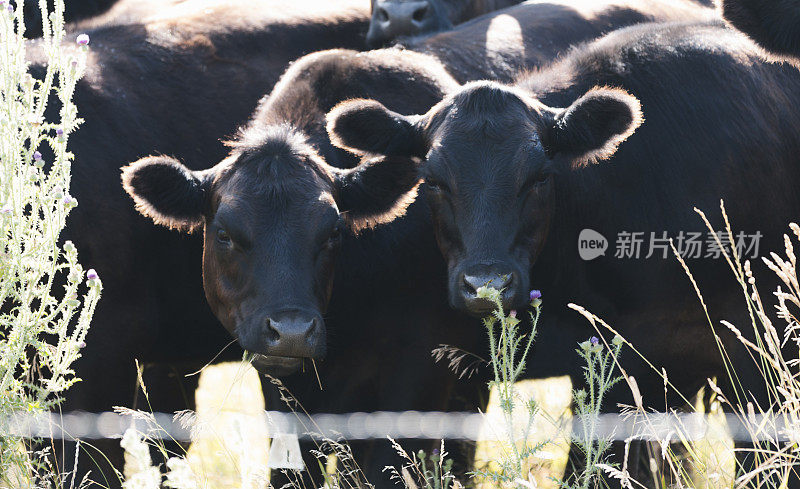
{"x":392,"y":19}
{"x":492,"y":154}
{"x":273,"y":214}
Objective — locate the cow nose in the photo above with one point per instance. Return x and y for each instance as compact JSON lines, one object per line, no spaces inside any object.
{"x":295,"y":333}
{"x":486,"y":276}
{"x":398,"y":18}
{"x":473,"y":282}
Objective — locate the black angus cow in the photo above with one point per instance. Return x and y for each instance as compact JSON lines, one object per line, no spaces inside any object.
{"x":389,"y":281}
{"x":499,"y":45}
{"x":410,"y":20}
{"x":279,"y":212}
{"x":392,"y":19}
{"x":515,"y":173}
{"x":173,"y":85}
{"x":772,"y":24}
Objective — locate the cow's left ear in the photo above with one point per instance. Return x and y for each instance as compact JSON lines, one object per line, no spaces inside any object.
{"x":593,"y":126}
{"x":377,"y":191}
{"x":367,"y":127}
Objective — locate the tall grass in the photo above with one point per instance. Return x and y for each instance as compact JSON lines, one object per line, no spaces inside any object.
{"x":47,"y":299}
{"x":770,"y":456}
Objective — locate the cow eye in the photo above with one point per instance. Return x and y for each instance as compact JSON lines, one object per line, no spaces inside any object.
{"x":437,"y":186}
{"x":536,"y":181}
{"x":223,"y":236}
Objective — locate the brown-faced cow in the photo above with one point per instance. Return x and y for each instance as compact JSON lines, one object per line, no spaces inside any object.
{"x":280,"y":212}
{"x":171,"y":84}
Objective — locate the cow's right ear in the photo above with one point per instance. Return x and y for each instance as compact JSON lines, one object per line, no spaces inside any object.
{"x":367,"y":127}
{"x":166,"y":191}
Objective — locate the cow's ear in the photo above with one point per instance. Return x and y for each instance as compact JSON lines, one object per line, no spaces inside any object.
{"x":593,"y":126}
{"x":166,"y":191}
{"x":377,"y":191}
{"x":367,"y":127}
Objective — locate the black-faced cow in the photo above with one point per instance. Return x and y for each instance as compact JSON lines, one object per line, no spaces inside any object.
{"x":392,"y":19}
{"x":498,"y":46}
{"x":408,"y":20}
{"x":514,"y":173}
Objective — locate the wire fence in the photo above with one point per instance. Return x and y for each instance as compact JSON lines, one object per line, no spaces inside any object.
{"x":403,"y":425}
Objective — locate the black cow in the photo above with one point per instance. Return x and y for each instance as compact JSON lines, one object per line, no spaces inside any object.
{"x":541,"y":23}
{"x":499,"y":45}
{"x":392,"y":19}
{"x":515,"y":173}
{"x":171,"y":85}
{"x":773,"y":24}
{"x":280,"y":211}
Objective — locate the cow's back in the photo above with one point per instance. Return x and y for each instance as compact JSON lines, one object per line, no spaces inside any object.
{"x":501,"y":44}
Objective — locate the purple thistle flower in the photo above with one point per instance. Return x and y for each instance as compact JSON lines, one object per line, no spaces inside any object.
{"x":11,"y":9}
{"x":91,"y":274}
{"x":436,"y":451}
{"x":82,"y":345}
{"x":82,"y":40}
{"x":536,"y":294}
{"x":37,"y":155}
{"x":512,"y":313}
{"x":70,"y":201}
{"x":594,"y":340}
{"x":59,"y":132}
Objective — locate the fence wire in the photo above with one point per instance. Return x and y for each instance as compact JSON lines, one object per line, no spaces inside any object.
{"x":403,"y":425}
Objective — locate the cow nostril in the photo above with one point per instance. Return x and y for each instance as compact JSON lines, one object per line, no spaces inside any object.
{"x":420,"y":14}
{"x":471,"y":284}
{"x":273,"y":335}
{"x":381,"y":14}
{"x":312,"y":329}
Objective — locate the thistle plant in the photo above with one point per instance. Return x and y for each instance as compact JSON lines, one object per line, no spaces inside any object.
{"x":599,"y":374}
{"x":509,"y":345}
{"x":47,"y":299}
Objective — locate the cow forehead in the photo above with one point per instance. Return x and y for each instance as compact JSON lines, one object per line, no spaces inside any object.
{"x":281,"y":176}
{"x":484,"y":114}
{"x":254,"y":197}
{"x":485,"y":97}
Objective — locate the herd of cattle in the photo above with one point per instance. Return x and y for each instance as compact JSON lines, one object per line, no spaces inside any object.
{"x":351,"y":201}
